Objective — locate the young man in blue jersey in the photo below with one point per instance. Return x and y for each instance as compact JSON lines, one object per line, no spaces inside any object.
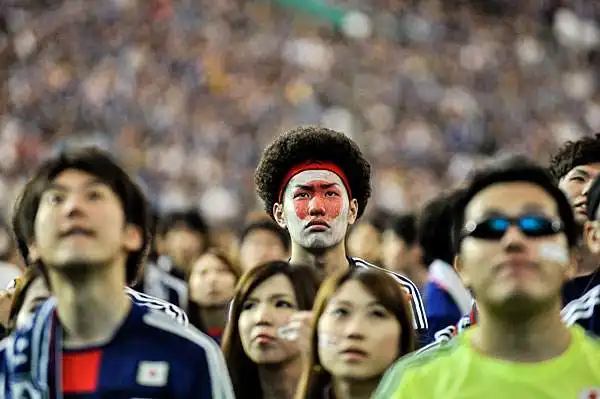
{"x":315,"y":183}
{"x":85,"y":224}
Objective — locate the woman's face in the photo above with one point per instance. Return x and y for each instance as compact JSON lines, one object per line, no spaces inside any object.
{"x":268,"y":308}
{"x":36,"y":293}
{"x":358,"y":338}
{"x":211,"y":282}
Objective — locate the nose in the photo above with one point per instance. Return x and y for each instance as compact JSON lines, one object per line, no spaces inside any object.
{"x":587,"y":186}
{"x":316,"y":206}
{"x":263,"y":315}
{"x":73,"y":205}
{"x":355,"y":328}
{"x":513,"y":240}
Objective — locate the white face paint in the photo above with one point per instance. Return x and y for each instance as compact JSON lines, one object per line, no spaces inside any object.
{"x":554,"y":253}
{"x":316,"y":208}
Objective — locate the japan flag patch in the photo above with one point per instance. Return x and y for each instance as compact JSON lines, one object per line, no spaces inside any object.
{"x":153,"y":374}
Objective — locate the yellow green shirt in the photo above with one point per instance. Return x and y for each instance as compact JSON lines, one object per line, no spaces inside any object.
{"x":455,"y":370}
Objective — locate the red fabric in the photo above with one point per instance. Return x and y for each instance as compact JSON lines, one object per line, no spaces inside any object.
{"x":313,"y":165}
{"x":80,"y":371}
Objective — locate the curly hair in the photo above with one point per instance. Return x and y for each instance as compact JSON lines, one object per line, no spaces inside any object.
{"x":310,"y":143}
{"x":575,"y":153}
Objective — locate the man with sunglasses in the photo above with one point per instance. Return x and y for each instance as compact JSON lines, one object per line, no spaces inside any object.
{"x":514,"y":236}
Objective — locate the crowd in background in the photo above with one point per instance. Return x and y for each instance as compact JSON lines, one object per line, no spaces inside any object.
{"x":190,"y":92}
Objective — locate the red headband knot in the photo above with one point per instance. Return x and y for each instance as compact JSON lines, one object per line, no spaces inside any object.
{"x":313,"y":165}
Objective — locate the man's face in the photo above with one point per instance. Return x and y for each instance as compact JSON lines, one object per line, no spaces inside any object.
{"x":316,"y":209}
{"x":183,"y":245}
{"x":80,"y":223}
{"x":576,"y":184}
{"x":514,"y":272}
{"x":261,"y":246}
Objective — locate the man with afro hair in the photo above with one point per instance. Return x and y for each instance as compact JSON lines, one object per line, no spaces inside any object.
{"x":315,"y":183}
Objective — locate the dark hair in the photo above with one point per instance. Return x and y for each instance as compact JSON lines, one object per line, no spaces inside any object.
{"x":193,"y":308}
{"x":515,"y":169}
{"x":405,"y":227}
{"x":593,"y":199}
{"x":269,"y":225}
{"x":243,"y":371}
{"x":100,"y":164}
{"x":310,"y":143}
{"x":435,"y":228}
{"x":190,"y":218}
{"x":575,"y":153}
{"x":386,"y":291}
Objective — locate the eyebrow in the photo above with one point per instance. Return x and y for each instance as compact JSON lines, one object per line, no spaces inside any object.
{"x":271,"y":297}
{"x":61,"y":187}
{"x":352,"y":304}
{"x":528,"y":207}
{"x":312,"y":186}
{"x":580,"y":171}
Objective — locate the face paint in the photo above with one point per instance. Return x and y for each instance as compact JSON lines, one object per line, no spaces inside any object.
{"x":316,"y":196}
{"x":328,"y":341}
{"x":554,"y":253}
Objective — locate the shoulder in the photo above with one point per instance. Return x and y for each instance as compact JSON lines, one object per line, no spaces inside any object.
{"x":151,"y":302}
{"x":421,"y":366}
{"x":403,"y":280}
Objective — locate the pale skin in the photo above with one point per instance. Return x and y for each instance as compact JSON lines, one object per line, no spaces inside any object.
{"x":266,"y":310}
{"x":357,"y":335}
{"x":86,"y":271}
{"x":317,"y":212}
{"x":576,"y":185}
{"x":518,"y":290}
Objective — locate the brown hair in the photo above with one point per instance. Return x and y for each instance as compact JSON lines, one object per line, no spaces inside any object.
{"x":243,"y":371}
{"x":386,"y":291}
{"x":193,"y":309}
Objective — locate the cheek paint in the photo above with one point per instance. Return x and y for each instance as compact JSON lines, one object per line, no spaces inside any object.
{"x":328,"y":341}
{"x":554,"y":253}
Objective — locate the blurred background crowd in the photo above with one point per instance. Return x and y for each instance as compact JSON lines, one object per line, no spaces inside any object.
{"x":189,"y":92}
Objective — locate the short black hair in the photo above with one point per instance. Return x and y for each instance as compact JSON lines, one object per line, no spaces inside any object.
{"x":514,"y":169}
{"x":435,"y":228}
{"x":593,"y":199}
{"x":405,"y":227}
{"x":188,"y":218}
{"x":311,"y":143}
{"x":102,"y":165}
{"x":575,"y":153}
{"x":269,"y":225}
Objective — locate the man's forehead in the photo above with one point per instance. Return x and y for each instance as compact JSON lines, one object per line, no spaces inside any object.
{"x":511,"y":199}
{"x":318,"y":175}
{"x":591,"y":169}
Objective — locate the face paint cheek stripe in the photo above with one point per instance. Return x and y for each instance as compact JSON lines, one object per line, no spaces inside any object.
{"x":328,"y":341}
{"x":554,"y":253}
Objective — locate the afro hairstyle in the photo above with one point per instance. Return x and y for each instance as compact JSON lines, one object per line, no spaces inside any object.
{"x":311,"y":143}
{"x":575,"y":153}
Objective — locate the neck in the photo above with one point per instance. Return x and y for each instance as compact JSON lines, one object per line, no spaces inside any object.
{"x":279,"y":381}
{"x":91,"y":307}
{"x":343,"y":389}
{"x":417,"y":274}
{"x":535,"y":339}
{"x":327,"y":262}
{"x":214,"y":316}
{"x":587,"y":262}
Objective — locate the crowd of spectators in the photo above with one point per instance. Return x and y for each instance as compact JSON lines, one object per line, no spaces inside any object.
{"x":189,"y":92}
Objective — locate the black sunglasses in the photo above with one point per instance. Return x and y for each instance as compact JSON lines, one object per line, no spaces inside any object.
{"x":494,"y":228}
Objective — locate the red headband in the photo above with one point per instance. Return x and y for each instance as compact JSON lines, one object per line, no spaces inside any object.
{"x":313,"y":165}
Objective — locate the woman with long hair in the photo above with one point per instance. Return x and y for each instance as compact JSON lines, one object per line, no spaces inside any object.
{"x":263,"y":362}
{"x":361,"y":324}
{"x":212,"y":281}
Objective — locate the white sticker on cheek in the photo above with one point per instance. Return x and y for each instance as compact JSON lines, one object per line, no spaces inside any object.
{"x":554,"y":253}
{"x":328,"y":341}
{"x":289,"y":332}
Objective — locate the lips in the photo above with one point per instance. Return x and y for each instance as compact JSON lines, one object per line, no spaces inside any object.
{"x":317,"y":224}
{"x":76,"y":231}
{"x":354,"y":353}
{"x":264,"y":338}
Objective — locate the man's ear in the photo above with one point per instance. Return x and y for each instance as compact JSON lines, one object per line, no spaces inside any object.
{"x":279,"y":215}
{"x":591,"y":236}
{"x":133,"y":238}
{"x":458,"y":266}
{"x":352,"y":211}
